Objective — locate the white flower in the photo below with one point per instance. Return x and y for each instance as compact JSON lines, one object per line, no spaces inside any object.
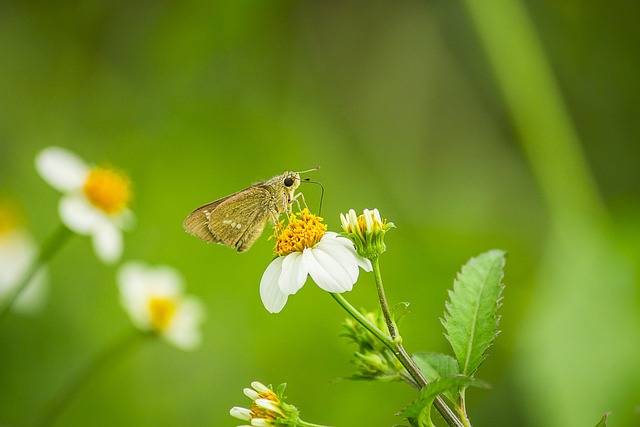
{"x":95,"y":200}
{"x":153,"y":298}
{"x":307,"y":250}
{"x":267,"y":408}
{"x":17,"y":253}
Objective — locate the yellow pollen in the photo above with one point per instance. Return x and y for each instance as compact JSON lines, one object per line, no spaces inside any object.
{"x":162,"y":311}
{"x":303,"y":231}
{"x":107,"y":190}
{"x":258,"y":412}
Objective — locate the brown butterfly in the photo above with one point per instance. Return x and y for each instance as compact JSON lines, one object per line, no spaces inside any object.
{"x":239,"y":219}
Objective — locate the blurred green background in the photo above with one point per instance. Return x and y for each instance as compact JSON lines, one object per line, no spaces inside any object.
{"x":403,"y":109}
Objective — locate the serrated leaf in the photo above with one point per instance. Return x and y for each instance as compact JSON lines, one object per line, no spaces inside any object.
{"x":420,"y":411}
{"x":435,"y":366}
{"x":471,"y":318}
{"x":603,"y":421}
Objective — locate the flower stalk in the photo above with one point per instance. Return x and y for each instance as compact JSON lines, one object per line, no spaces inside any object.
{"x":404,"y":358}
{"x":47,"y":251}
{"x":367,"y":232}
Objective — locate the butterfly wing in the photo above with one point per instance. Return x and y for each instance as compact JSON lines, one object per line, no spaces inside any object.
{"x":236,"y":220}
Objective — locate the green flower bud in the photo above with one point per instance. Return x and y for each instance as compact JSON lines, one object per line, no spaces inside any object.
{"x":366,"y":232}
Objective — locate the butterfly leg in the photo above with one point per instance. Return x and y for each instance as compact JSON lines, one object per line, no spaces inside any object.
{"x":296,"y":198}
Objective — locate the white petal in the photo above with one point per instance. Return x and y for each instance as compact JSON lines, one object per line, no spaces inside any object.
{"x":363,"y":263}
{"x":251,"y":393}
{"x":131,"y":276}
{"x":77,"y":214}
{"x":184,"y":330}
{"x":260,"y":388}
{"x":164,"y":282}
{"x":134,"y":295}
{"x":17,"y":252}
{"x":326,"y":271}
{"x":293,"y":274}
{"x":241,"y":413}
{"x":107,"y":242}
{"x":272,"y":297}
{"x":61,"y":168}
{"x":335,"y":247}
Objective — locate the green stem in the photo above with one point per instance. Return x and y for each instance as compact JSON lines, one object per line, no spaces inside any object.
{"x":401,"y":354}
{"x":391,"y":324}
{"x":360,"y":318}
{"x":418,"y":380}
{"x":302,"y":423}
{"x":48,"y":249}
{"x":110,"y":354}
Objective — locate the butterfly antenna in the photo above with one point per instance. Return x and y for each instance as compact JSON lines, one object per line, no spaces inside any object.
{"x":307,"y":180}
{"x":311,"y":170}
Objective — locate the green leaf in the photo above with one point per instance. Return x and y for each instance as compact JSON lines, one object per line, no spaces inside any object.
{"x":419,"y":413}
{"x":435,"y":366}
{"x":471,"y":318}
{"x":603,"y":421}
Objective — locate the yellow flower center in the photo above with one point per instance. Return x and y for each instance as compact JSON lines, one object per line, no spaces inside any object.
{"x":162,"y":311}
{"x":10,"y":218}
{"x":107,"y":190}
{"x":304,"y":230}
{"x":259,"y":412}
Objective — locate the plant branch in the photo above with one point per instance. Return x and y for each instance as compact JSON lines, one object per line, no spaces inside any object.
{"x":401,"y":354}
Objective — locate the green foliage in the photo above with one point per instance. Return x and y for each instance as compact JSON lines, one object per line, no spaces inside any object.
{"x":435,"y":366}
{"x":471,"y":318}
{"x":419,"y":413}
{"x":603,"y":421}
{"x":373,"y":360}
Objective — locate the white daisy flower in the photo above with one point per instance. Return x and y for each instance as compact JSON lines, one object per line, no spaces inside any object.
{"x":18,"y":250}
{"x":153,"y":298}
{"x":268,"y":408}
{"x":95,"y":200}
{"x":306,"y":249}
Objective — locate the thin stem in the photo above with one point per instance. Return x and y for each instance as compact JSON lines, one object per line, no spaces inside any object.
{"x":110,"y":354}
{"x":401,"y":354}
{"x":418,"y":380}
{"x":302,"y":423}
{"x":48,"y":249}
{"x":360,"y":318}
{"x":391,"y":325}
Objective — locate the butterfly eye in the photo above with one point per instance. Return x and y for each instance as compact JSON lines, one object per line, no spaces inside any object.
{"x":288,"y":181}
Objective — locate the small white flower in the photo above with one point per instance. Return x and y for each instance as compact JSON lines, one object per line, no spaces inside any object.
{"x":95,"y":200}
{"x":268,"y":408}
{"x":153,"y":298}
{"x":306,"y":249}
{"x":17,"y":252}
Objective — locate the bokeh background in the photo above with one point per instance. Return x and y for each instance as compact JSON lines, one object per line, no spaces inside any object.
{"x":471,"y":126}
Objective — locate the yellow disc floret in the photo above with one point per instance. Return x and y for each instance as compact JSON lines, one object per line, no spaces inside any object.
{"x":10,"y":218}
{"x":304,"y":230}
{"x":162,"y":311}
{"x":264,"y":413}
{"x":107,"y":190}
